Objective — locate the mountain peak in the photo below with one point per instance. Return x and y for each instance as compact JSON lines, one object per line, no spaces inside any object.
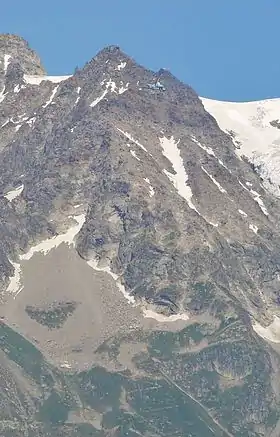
{"x":112,"y":48}
{"x":110,"y":52}
{"x":6,"y":38}
{"x":16,"y":49}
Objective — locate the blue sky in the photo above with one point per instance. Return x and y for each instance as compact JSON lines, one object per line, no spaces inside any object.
{"x":225,"y":49}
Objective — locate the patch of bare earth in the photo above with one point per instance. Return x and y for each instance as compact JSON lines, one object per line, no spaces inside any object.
{"x":128,"y":352}
{"x":86,"y":415}
{"x":59,"y":279}
{"x":228,"y":382}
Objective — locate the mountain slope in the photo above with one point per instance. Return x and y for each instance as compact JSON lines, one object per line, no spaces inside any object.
{"x":137,"y":243}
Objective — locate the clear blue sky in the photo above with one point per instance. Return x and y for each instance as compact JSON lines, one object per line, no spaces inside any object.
{"x":225,"y":49}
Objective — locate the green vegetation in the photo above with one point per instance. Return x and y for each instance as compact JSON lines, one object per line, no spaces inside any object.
{"x":53,"y":317}
{"x":191,"y":384}
{"x":22,"y":352}
{"x":54,"y":409}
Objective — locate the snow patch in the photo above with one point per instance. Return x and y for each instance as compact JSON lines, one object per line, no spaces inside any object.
{"x":15,"y":286}
{"x":172,"y":153}
{"x":149,"y":314}
{"x":6,"y":62}
{"x":213,"y":224}
{"x":2,"y":95}
{"x":44,"y":247}
{"x":133,"y":153}
{"x":5,"y":123}
{"x":54,"y":91}
{"x":36,"y":80}
{"x":209,"y":151}
{"x":170,"y":176}
{"x":222,"y":190}
{"x":21,"y":118}
{"x":31,"y":121}
{"x":11,"y":195}
{"x":121,"y":66}
{"x":253,"y":228}
{"x":18,"y":87}
{"x":122,"y":89}
{"x":151,"y":189}
{"x":271,"y":332}
{"x":78,"y":92}
{"x":51,"y":97}
{"x":256,"y":196}
{"x":242,"y":213}
{"x":98,"y":99}
{"x":110,"y":85}
{"x":243,"y":186}
{"x":94,"y":264}
{"x":51,"y":243}
{"x":130,"y":137}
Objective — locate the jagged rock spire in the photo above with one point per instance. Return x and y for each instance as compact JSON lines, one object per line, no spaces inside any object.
{"x":14,"y":49}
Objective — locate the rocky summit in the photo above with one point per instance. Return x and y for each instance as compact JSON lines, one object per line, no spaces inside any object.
{"x":139,"y":254}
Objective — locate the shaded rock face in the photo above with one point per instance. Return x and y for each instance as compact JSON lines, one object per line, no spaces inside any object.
{"x":169,"y":207}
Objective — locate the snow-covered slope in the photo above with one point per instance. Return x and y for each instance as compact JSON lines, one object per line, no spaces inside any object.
{"x":36,"y":80}
{"x":255,"y":130}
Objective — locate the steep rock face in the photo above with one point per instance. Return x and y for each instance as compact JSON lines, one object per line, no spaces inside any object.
{"x":14,"y":49}
{"x":163,"y":203}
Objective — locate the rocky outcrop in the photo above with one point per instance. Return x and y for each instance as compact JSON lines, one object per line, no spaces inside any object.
{"x":14,"y":49}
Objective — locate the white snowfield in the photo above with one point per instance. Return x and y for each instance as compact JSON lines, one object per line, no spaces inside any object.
{"x":36,"y":80}
{"x":249,"y":124}
{"x":179,"y":180}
